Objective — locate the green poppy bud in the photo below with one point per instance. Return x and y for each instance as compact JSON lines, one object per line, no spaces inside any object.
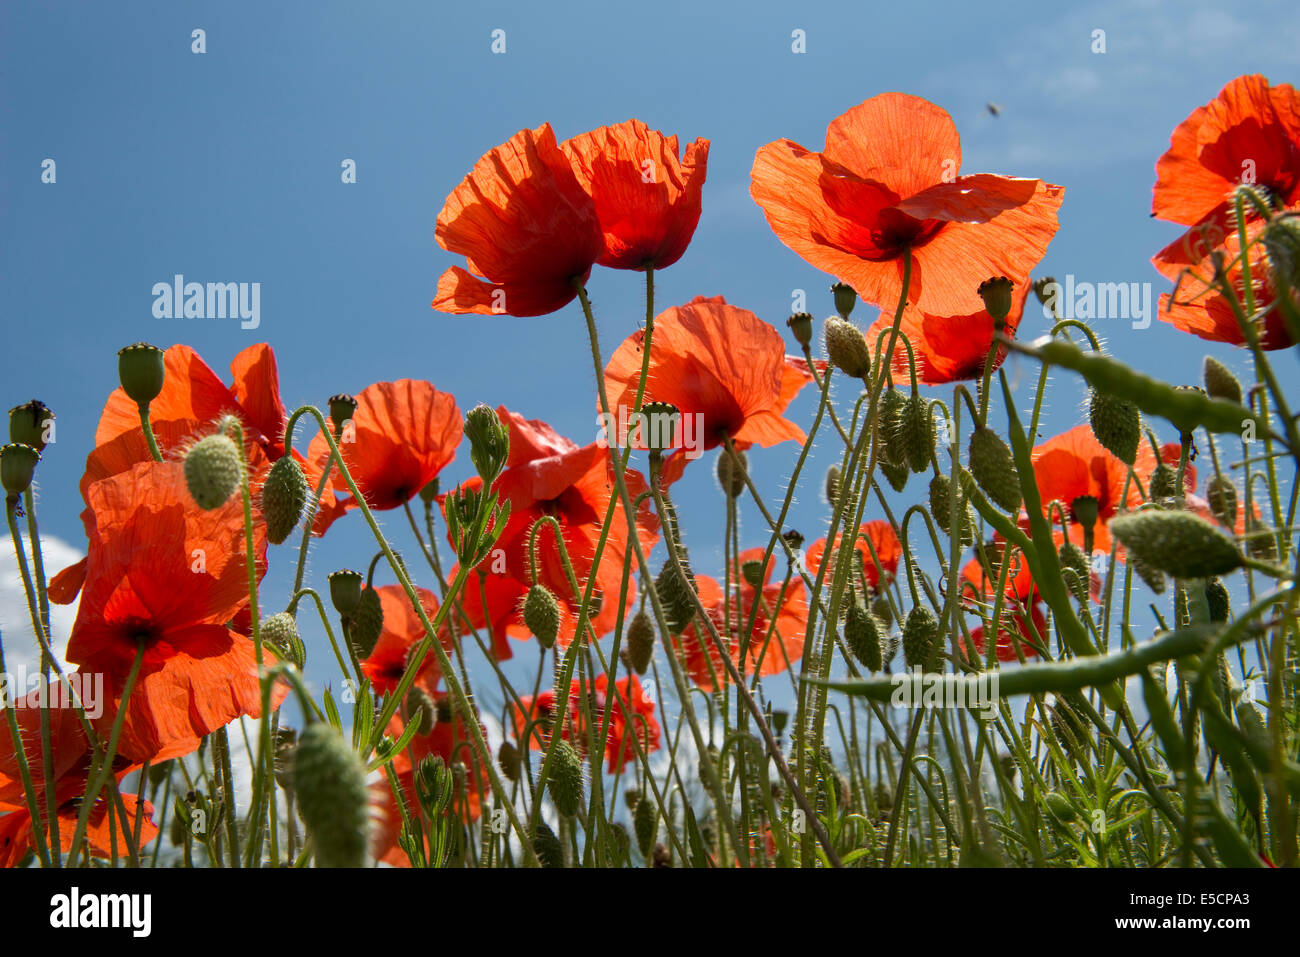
{"x":212,"y":471}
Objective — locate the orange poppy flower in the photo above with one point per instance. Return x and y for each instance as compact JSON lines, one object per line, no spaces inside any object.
{"x":1074,"y":465}
{"x":1026,"y":636}
{"x":1201,"y":308}
{"x":403,"y":434}
{"x":549,"y":475}
{"x":947,"y":348}
{"x":620,"y":745}
{"x":887,"y":182}
{"x":164,"y":572}
{"x":1249,"y":133}
{"x":401,"y":633}
{"x":193,"y":397}
{"x":449,"y":740}
{"x":883,"y":539}
{"x":724,"y":369}
{"x":729,"y":614}
{"x":647,"y":200}
{"x":71,"y":763}
{"x":525,"y":225}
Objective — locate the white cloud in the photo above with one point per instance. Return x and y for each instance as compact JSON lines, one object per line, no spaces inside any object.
{"x":21,"y":649}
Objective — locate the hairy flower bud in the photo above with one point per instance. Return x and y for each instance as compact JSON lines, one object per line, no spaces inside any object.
{"x":1116,"y":424}
{"x":941,"y":510}
{"x":675,"y":591}
{"x":920,"y":635}
{"x":565,"y":782}
{"x":542,"y":615}
{"x":1074,"y":570}
{"x":212,"y":471}
{"x":1222,"y":496}
{"x":489,"y":442}
{"x":284,"y":496}
{"x":846,"y":347}
{"x":862,"y":633}
{"x":915,"y":433}
{"x":281,"y":633}
{"x":731,"y":477}
{"x":994,"y":469}
{"x":330,"y":783}
{"x":1220,"y":383}
{"x":640,"y":642}
{"x":366,"y":623}
{"x":1180,"y":544}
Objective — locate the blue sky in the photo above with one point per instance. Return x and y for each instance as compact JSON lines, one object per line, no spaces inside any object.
{"x":225,"y":166}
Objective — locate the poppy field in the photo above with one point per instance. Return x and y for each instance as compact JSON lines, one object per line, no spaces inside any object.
{"x":1000,"y":647}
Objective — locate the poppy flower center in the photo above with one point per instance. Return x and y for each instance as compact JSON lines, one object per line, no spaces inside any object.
{"x":894,"y":231}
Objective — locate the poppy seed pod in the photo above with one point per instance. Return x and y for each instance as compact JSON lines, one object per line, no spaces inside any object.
{"x":280,"y":631}
{"x":994,"y":468}
{"x":1222,"y":497}
{"x":1220,"y":383}
{"x":212,"y":471}
{"x":342,"y":408}
{"x":920,"y":635}
{"x":996,"y":293}
{"x":846,"y":347}
{"x":565,"y":782}
{"x":17,"y":469}
{"x":915,"y":433}
{"x":542,"y":615}
{"x":1178,"y":543}
{"x":30,"y":424}
{"x":640,"y":642}
{"x":1045,"y":289}
{"x":141,"y":371}
{"x":862,"y":632}
{"x":366,"y":623}
{"x":1260,"y":539}
{"x":345,"y":590}
{"x":730,"y":475}
{"x":794,"y":538}
{"x":1116,"y":424}
{"x":845,"y":298}
{"x":801,"y":327}
{"x":329,"y":781}
{"x":658,"y":425}
{"x":284,"y":496}
{"x":1085,"y":510}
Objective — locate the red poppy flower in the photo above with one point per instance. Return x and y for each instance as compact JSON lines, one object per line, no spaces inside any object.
{"x":947,"y":348}
{"x":1250,"y":133}
{"x":525,"y":224}
{"x":887,"y":182}
{"x":724,"y":369}
{"x":1198,"y":306}
{"x":788,"y":621}
{"x":549,"y":475}
{"x":403,"y":434}
{"x":1026,"y":636}
{"x":401,"y":633}
{"x":71,"y":763}
{"x":1074,"y":465}
{"x":647,"y":200}
{"x":1020,"y":583}
{"x":449,"y":740}
{"x":883,"y":539}
{"x":165,"y":573}
{"x":620,"y":744}
{"x":193,"y":397}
